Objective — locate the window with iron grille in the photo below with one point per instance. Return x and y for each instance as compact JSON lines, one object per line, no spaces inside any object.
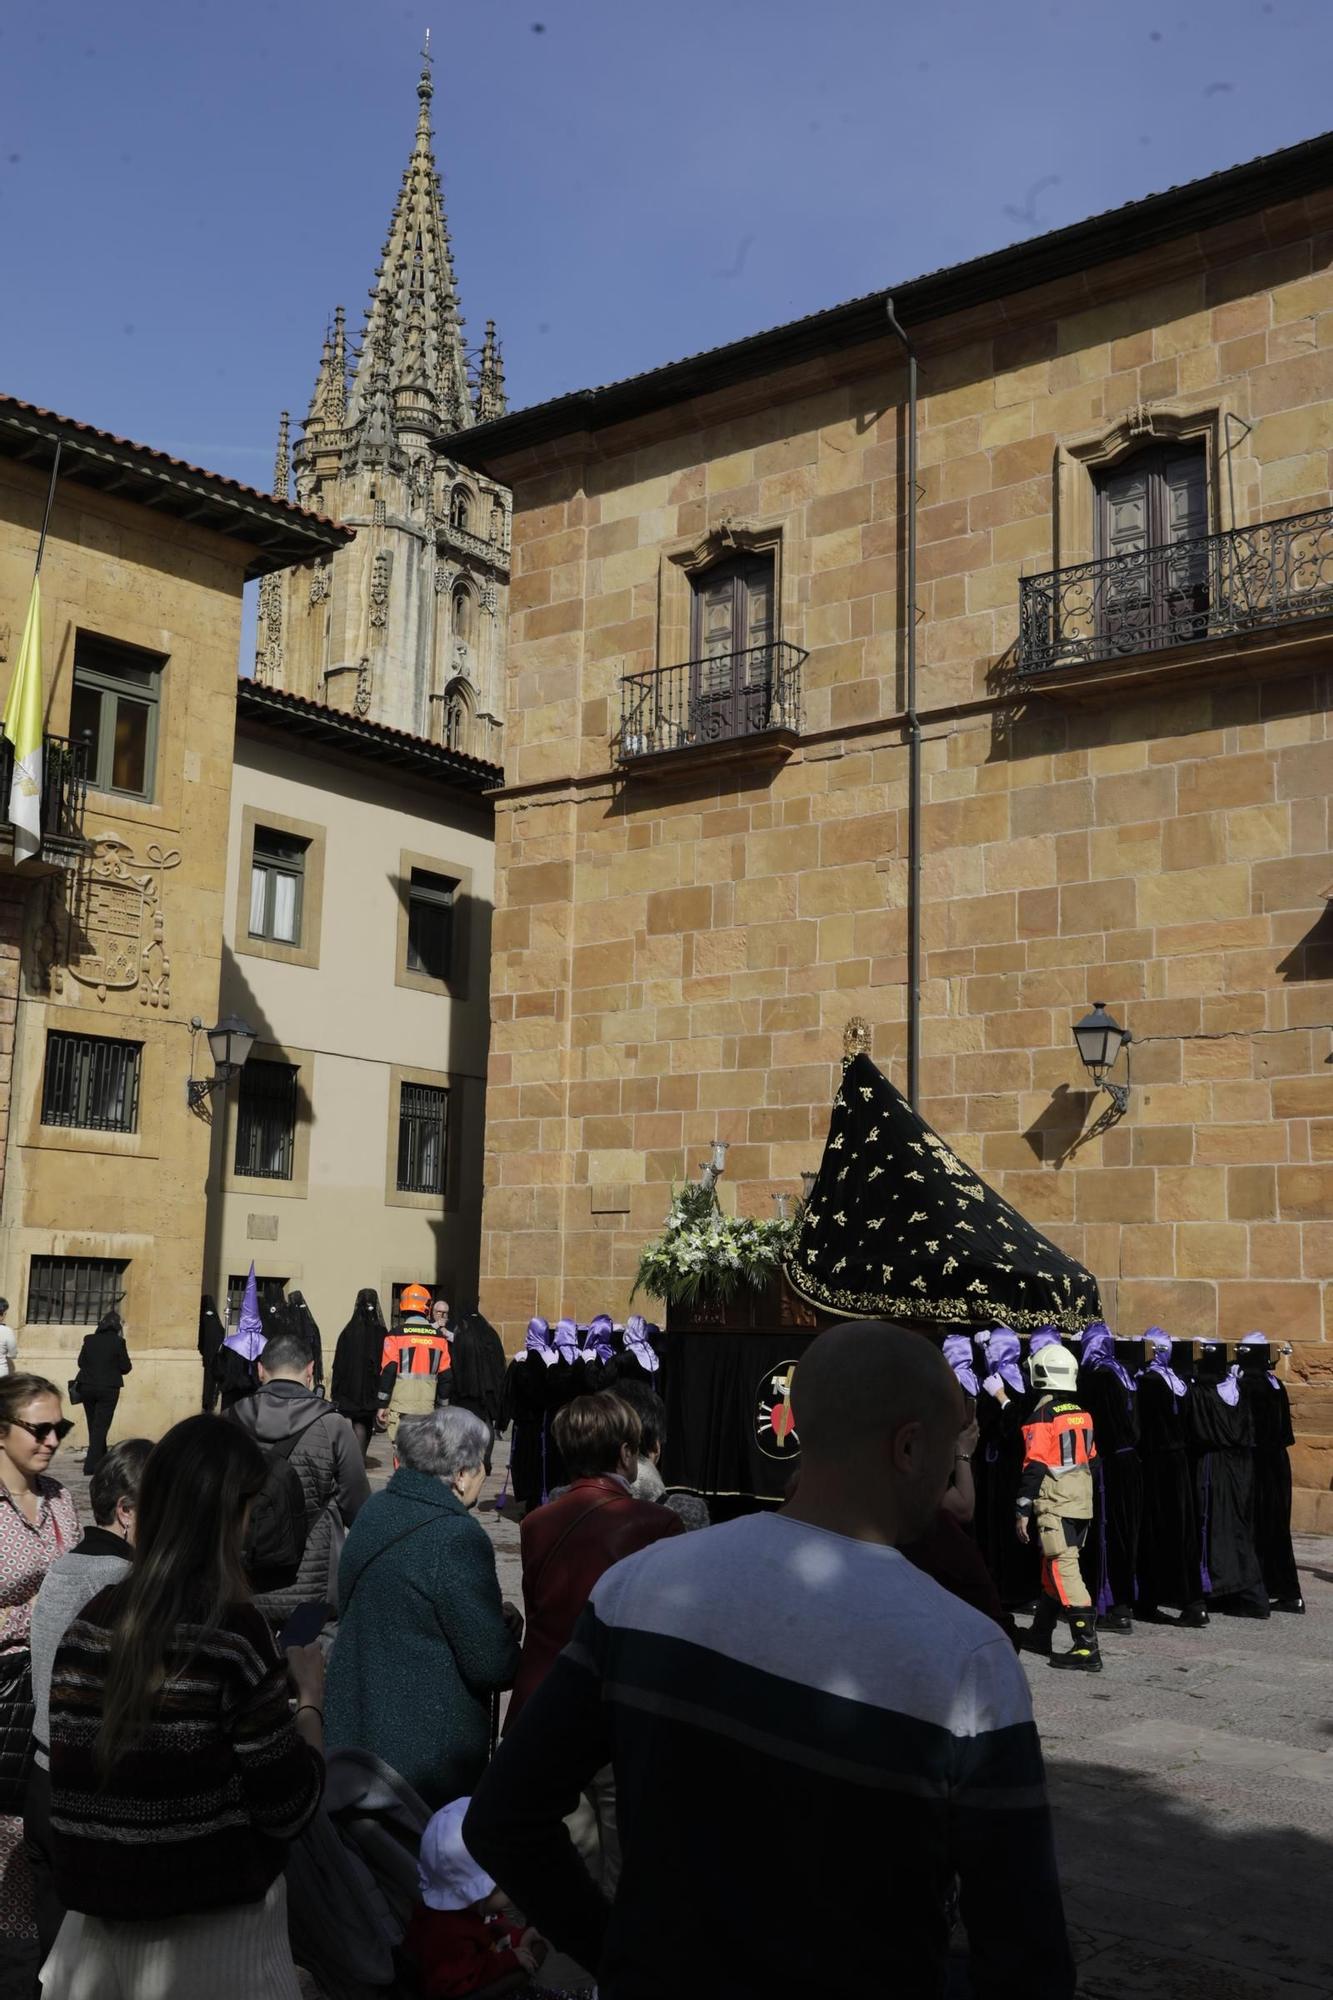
{"x":266,"y":1106}
{"x":277,"y":884}
{"x":74,"y":1291}
{"x":91,"y":1081}
{"x":430,"y":923}
{"x":272,"y":1291}
{"x":423,"y":1133}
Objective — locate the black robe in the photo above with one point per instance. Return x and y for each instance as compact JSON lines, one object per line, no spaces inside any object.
{"x":477,"y":1369}
{"x":1110,"y":1556}
{"x":534,"y":1392}
{"x":212,"y":1333}
{"x":1169,"y":1537}
{"x":300,"y":1316}
{"x":1270,"y":1412}
{"x":358,"y":1361}
{"x":1223,"y":1438}
{"x":997,"y":1465}
{"x":234,"y":1376}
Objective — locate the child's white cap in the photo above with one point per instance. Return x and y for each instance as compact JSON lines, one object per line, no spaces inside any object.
{"x":447,"y":1876}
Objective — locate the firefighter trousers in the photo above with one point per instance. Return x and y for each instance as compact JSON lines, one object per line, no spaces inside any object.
{"x":413,"y":1396}
{"x":1061,"y":1576}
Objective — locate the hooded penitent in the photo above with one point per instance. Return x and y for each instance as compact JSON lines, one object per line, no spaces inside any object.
{"x":898,"y":1227}
{"x":1160,"y":1342}
{"x":958,"y":1354}
{"x":1265,"y":1395}
{"x":248,"y":1339}
{"x":358,"y":1358}
{"x":1109,"y":1394}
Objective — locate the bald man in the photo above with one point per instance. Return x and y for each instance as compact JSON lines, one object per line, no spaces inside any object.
{"x":811,"y":1739}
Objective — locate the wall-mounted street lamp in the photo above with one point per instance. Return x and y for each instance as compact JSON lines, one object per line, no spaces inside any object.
{"x":1100,"y":1040}
{"x":229,"y":1043}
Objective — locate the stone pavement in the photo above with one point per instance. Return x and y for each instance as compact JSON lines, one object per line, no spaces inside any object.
{"x":1192,"y":1784}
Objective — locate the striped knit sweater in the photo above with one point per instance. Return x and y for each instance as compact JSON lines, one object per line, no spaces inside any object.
{"x":811,"y":1740}
{"x":198,"y":1814}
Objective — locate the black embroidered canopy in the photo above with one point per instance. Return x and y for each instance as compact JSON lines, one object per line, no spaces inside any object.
{"x":898,"y":1227}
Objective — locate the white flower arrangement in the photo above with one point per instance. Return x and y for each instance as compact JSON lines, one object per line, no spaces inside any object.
{"x":704,"y":1253}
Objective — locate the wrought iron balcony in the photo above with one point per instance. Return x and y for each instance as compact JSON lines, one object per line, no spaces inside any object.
{"x":728,"y":698}
{"x":1217,"y":586}
{"x":64,"y":785}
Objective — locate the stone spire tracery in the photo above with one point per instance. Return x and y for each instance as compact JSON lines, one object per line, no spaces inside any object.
{"x":409,"y":619}
{"x":414,"y":328}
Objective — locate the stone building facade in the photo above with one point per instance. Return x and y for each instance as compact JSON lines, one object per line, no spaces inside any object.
{"x":704,"y":866}
{"x":406,"y":626}
{"x":356,"y":942}
{"x":111,"y":938}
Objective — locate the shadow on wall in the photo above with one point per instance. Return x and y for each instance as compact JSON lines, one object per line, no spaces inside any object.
{"x":1169,"y":1900}
{"x":454,"y":1263}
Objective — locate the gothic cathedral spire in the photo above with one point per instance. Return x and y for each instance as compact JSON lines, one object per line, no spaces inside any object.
{"x":412,"y":362}
{"x":405,"y":626}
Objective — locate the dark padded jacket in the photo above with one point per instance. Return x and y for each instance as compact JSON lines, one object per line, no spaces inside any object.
{"x":332,"y":1472}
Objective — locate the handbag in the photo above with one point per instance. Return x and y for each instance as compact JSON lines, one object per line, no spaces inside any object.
{"x":16,"y":1744}
{"x":73,"y":1392}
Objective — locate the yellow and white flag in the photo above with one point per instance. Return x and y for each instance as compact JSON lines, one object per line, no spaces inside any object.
{"x":23,"y":728}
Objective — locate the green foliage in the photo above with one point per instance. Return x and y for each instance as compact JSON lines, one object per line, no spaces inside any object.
{"x":703,"y":1253}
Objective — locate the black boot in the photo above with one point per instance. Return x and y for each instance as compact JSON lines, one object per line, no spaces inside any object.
{"x":1037,"y":1638}
{"x":1195,"y":1615}
{"x":1083,"y":1656}
{"x":1288,"y":1604}
{"x":1116,"y":1618}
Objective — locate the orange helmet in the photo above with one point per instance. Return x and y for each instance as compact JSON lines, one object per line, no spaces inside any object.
{"x":414,"y":1299}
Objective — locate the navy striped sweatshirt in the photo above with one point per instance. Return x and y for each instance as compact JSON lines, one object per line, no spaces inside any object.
{"x":811,"y":1740}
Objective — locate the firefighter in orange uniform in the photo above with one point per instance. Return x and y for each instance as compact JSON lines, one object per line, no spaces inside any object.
{"x":1055,"y":1492}
{"x":414,"y":1363}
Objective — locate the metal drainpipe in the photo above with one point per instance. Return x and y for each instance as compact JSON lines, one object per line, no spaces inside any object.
{"x":913,"y":740}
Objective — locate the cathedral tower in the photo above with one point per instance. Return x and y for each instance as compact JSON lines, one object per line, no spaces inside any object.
{"x":406,"y":625}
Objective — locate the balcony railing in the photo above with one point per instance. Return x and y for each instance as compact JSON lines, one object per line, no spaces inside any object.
{"x":64,"y":784}
{"x":705,"y":702}
{"x":1211,"y":588}
{"x":481,"y":546}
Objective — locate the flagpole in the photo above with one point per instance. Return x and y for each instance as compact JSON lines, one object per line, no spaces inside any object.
{"x":50,"y":499}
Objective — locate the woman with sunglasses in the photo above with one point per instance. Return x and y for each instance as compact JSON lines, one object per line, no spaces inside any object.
{"x":38,"y":1523}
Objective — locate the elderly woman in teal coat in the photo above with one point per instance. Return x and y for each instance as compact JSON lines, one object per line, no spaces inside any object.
{"x":424,"y":1639}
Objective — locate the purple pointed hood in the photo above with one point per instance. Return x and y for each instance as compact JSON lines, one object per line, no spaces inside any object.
{"x":637,"y":1343}
{"x":958,"y":1353}
{"x":1002,"y":1352}
{"x":597,"y":1340}
{"x":1260,"y":1340}
{"x":1160,"y":1342}
{"x":538,"y":1342}
{"x":249,"y":1339}
{"x":1098,"y":1351}
{"x":565,"y":1339}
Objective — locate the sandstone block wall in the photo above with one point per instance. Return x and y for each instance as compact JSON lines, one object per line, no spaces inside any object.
{"x":674,"y":960}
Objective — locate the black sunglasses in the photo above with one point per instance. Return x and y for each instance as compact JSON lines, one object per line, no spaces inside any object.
{"x":59,"y":1431}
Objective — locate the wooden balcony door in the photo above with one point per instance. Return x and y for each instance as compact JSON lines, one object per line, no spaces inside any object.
{"x":731,"y":649}
{"x":1153,"y":512}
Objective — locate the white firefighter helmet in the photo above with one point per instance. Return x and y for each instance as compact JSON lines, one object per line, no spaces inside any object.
{"x":1053,"y":1367}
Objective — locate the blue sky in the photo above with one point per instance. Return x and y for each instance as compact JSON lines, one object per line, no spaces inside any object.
{"x":187,"y":190}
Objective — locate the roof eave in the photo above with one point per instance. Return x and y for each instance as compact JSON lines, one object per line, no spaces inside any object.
{"x":275,"y":708}
{"x":277,"y":535}
{"x":1179,"y":212}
